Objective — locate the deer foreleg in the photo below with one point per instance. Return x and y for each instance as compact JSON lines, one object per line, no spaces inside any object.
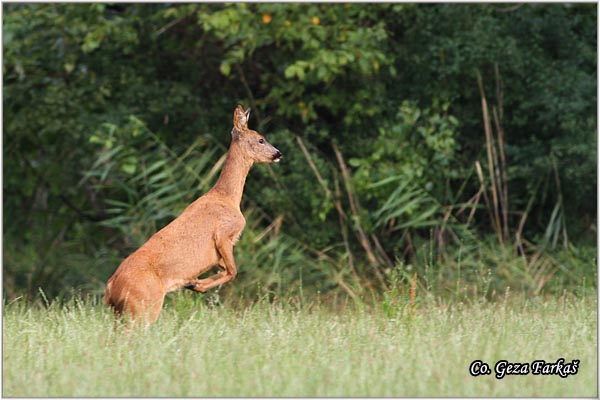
{"x":196,"y":284}
{"x":225,"y":249}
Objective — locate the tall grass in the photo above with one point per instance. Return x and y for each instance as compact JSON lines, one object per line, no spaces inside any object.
{"x":288,"y":349}
{"x":453,"y":258}
{"x":388,"y":228}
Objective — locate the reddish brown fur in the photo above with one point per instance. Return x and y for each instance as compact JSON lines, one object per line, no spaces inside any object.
{"x":201,"y":237}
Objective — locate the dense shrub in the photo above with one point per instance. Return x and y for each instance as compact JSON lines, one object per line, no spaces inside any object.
{"x":114,"y":115}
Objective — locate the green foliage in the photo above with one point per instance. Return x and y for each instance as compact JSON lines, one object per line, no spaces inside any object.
{"x":115,"y":114}
{"x":416,"y":146}
{"x":397,"y":300}
{"x":306,"y":47}
{"x":146,"y":185}
{"x":539,"y":67}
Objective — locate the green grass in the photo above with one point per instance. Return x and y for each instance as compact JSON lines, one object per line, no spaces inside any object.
{"x":285,"y":350}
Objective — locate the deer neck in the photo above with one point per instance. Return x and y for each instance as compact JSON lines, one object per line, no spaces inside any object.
{"x":233,"y":175}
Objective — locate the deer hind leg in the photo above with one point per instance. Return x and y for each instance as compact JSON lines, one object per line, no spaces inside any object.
{"x":143,"y":312}
{"x":140,"y":304}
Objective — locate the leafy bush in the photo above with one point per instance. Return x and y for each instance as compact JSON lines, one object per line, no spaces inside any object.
{"x":116,"y":114}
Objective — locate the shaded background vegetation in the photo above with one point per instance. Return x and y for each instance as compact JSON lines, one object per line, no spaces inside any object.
{"x":454,"y":141}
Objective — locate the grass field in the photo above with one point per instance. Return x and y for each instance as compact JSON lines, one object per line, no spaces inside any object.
{"x":279,"y":350}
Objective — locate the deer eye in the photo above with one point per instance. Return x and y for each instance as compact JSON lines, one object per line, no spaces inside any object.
{"x":261,"y":141}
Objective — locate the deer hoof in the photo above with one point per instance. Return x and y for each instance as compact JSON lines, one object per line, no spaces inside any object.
{"x":191,"y":286}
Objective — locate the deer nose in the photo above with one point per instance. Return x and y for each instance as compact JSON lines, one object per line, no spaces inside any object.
{"x":277,"y":156}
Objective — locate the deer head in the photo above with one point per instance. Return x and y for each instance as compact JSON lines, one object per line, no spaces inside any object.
{"x":253,"y":143}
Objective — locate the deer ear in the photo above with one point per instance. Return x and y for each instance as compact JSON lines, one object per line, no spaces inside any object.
{"x":240,"y":118}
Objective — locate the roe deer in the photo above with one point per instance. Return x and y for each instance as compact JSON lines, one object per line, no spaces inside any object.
{"x":201,"y":237}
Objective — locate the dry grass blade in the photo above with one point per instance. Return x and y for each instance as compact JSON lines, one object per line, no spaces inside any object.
{"x":312,"y":165}
{"x":354,"y":206}
{"x":274,"y":227}
{"x":504,"y":185}
{"x":499,"y":92}
{"x":475,"y":202}
{"x":490,"y":158}
{"x":518,"y":233}
{"x":413,"y":292}
{"x":381,"y":251}
{"x":560,"y":201}
{"x":482,"y":189}
{"x":525,"y":214}
{"x":336,"y":200}
{"x":540,"y":269}
{"x":499,"y":181}
{"x":342,"y":222}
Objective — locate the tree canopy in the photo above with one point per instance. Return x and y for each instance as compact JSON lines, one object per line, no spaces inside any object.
{"x":409,"y":131}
